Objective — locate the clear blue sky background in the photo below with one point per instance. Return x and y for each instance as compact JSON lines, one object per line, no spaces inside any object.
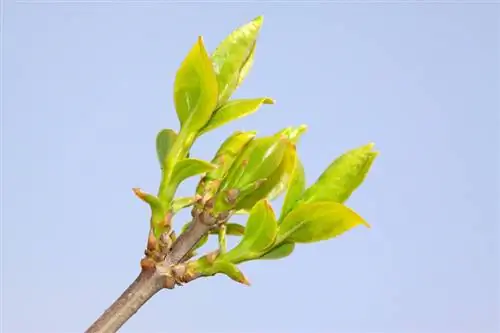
{"x":86,"y":87}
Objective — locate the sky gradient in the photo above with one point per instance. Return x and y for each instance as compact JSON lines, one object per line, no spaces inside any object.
{"x":86,"y":87}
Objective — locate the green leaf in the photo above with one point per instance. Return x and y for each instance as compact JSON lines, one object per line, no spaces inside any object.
{"x":189,"y":167}
{"x":195,"y":89}
{"x":235,"y":229}
{"x":263,"y":159}
{"x":260,"y":233}
{"x":289,"y":160}
{"x":247,"y":66}
{"x":296,"y":188}
{"x":234,"y":56}
{"x":229,"y":269}
{"x":158,"y":212}
{"x":183,"y":202}
{"x":164,"y":142}
{"x":233,"y":110}
{"x":260,"y":158}
{"x":294,"y":133}
{"x":281,"y":251}
{"x":224,"y":158}
{"x":342,"y":177}
{"x":274,"y":183}
{"x":314,"y":222}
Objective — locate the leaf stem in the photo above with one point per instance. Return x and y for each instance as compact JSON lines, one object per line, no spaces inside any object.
{"x":180,"y":148}
{"x":222,"y":239}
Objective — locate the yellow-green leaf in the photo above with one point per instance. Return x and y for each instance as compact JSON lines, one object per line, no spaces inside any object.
{"x":313,"y":222}
{"x":164,"y":142}
{"x":281,"y":251}
{"x":182,"y":202}
{"x":275,"y":182}
{"x":342,"y":177}
{"x":233,"y":110}
{"x":296,"y":188}
{"x":195,"y":89}
{"x":260,"y":158}
{"x":260,"y":233}
{"x":189,"y":167}
{"x":230,"y":270}
{"x":235,"y":229}
{"x":234,"y":56}
{"x":230,"y":149}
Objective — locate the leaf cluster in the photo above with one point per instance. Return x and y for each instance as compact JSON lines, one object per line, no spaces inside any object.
{"x":247,"y":172}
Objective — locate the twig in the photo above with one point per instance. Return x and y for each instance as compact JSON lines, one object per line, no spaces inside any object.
{"x":153,"y":279}
{"x":147,"y":284}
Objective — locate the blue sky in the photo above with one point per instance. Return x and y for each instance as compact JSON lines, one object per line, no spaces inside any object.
{"x":86,"y":87}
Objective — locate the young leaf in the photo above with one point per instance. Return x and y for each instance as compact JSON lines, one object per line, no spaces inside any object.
{"x":183,"y":202}
{"x":229,"y":269}
{"x":233,"y":57}
{"x":158,"y":212}
{"x":195,"y":89}
{"x":224,"y":158}
{"x":233,"y":110}
{"x":314,"y":222}
{"x":247,"y":66}
{"x":263,"y":159}
{"x":260,"y":233}
{"x":235,"y":229}
{"x":342,"y":177}
{"x":275,"y":182}
{"x":189,"y":167}
{"x":281,"y":251}
{"x":260,"y":158}
{"x":295,"y":188}
{"x":293,"y":134}
{"x":164,"y":142}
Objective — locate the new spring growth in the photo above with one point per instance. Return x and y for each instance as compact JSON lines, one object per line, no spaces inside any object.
{"x":254,"y":169}
{"x":224,"y":158}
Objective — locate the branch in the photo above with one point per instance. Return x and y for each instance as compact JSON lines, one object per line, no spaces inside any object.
{"x":147,"y":284}
{"x":154,"y":276}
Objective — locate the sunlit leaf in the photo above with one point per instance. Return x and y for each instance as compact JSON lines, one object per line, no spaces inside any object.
{"x":182,"y":202}
{"x":233,"y":110}
{"x":342,"y":177}
{"x":234,"y":56}
{"x":259,"y":159}
{"x":224,"y":158}
{"x":281,"y":251}
{"x":164,"y":142}
{"x":195,"y":89}
{"x":189,"y":167}
{"x":313,"y":222}
{"x":260,"y":233}
{"x":296,"y":188}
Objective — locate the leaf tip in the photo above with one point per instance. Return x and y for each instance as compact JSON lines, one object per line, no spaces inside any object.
{"x":139,"y":193}
{"x":268,"y":100}
{"x":258,"y":20}
{"x":370,"y":145}
{"x":244,"y":280}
